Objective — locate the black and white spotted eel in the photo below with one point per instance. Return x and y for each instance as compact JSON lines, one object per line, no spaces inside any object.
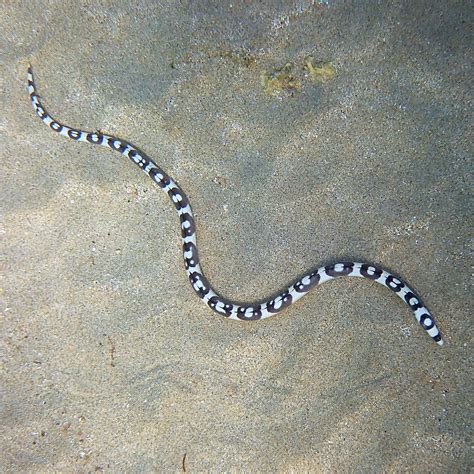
{"x":191,"y":260}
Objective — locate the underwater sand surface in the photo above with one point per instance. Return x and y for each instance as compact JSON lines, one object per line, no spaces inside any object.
{"x":304,"y":133}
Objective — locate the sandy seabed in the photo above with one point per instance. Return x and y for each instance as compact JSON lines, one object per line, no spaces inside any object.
{"x":109,"y":360}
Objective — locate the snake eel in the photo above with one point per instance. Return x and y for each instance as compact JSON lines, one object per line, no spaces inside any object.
{"x":190,"y":253}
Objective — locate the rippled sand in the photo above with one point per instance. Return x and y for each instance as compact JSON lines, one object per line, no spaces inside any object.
{"x":304,"y":134}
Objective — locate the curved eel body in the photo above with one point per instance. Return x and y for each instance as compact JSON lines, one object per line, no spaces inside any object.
{"x":191,"y":260}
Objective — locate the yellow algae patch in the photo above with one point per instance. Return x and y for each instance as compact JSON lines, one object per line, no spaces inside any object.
{"x":279,"y":80}
{"x":321,"y":71}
